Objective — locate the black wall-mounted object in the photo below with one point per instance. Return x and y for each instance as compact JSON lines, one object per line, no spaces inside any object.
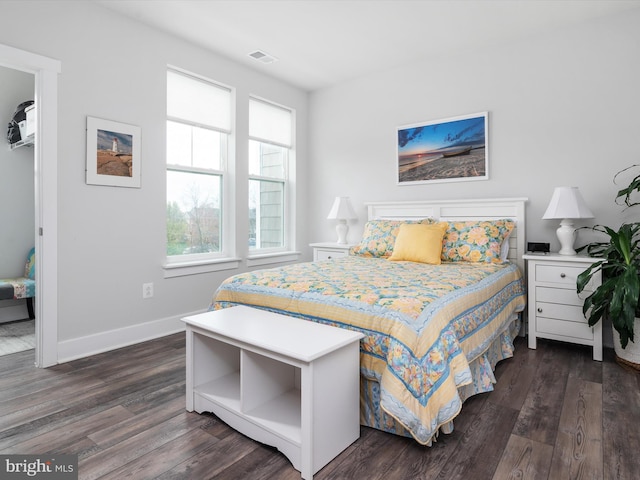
{"x":537,"y":247}
{"x":13,"y":130}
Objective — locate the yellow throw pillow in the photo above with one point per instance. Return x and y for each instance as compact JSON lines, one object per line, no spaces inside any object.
{"x":419,"y":242}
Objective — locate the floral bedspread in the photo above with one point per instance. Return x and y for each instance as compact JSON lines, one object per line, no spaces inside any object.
{"x":423,"y":324}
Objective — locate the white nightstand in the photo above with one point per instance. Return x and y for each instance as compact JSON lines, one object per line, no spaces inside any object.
{"x":329,"y":250}
{"x":555,"y":308}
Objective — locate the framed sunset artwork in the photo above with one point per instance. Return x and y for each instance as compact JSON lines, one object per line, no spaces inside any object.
{"x":448,"y":150}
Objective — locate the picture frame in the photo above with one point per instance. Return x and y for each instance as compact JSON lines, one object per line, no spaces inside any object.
{"x":113,"y":153}
{"x":448,"y":150}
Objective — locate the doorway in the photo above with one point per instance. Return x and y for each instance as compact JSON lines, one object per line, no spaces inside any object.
{"x":17,"y":211}
{"x":45,"y":71}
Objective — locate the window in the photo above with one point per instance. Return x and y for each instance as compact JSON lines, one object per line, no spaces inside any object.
{"x":270,"y":150}
{"x":198,"y":130}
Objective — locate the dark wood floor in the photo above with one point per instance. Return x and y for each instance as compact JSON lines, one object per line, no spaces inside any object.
{"x":554,"y":414}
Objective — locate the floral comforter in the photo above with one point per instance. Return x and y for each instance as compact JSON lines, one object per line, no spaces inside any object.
{"x":423,"y":324}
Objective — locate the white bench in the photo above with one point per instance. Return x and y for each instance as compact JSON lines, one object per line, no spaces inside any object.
{"x":283,"y":381}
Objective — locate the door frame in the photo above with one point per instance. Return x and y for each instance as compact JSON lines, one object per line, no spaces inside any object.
{"x":46,"y":72}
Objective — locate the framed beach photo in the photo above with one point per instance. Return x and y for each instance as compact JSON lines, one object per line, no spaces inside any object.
{"x":113,"y":153}
{"x":449,"y":150}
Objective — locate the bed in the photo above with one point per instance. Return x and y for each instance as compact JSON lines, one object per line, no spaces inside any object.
{"x":437,"y":289}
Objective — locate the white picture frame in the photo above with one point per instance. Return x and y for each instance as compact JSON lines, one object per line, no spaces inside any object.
{"x":113,"y":153}
{"x":448,"y":150}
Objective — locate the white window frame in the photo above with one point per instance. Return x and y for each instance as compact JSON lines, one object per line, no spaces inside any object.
{"x":226,"y":259}
{"x":265,"y":256}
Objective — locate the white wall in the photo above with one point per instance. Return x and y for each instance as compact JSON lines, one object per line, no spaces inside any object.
{"x":563,"y":111}
{"x":111,"y":240}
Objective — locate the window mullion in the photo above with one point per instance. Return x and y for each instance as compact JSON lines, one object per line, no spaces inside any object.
{"x":183,"y":168}
{"x":262,"y":178}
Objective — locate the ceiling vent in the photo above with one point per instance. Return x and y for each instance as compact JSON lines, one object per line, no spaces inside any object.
{"x":262,"y":57}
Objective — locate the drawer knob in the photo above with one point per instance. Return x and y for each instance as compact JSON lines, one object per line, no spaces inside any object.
{"x":539,"y":310}
{"x":562,"y":275}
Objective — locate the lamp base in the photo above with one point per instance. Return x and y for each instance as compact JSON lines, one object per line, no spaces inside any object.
{"x":566,"y":235}
{"x":342,"y":229}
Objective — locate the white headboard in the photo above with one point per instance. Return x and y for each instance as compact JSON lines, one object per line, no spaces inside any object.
{"x":475,"y":209}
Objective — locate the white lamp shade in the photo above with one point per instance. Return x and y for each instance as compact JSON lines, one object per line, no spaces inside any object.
{"x":567,"y":202}
{"x":341,"y":210}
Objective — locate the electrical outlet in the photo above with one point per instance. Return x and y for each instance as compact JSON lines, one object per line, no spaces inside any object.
{"x":147,"y":290}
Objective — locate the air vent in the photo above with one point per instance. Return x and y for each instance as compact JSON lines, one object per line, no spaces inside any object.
{"x":262,"y":57}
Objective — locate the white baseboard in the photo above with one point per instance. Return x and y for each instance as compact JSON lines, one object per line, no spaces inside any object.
{"x":122,"y":337}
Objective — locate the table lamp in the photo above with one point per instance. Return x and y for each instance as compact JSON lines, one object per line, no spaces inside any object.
{"x":342,"y":211}
{"x":567,"y":204}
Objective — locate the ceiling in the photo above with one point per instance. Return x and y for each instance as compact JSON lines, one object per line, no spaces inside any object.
{"x":320,"y":43}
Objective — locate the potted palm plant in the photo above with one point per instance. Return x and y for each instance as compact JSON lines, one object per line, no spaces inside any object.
{"x":618,"y":295}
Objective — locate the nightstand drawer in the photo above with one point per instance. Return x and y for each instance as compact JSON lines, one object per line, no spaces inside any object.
{"x":329,"y":251}
{"x":322,"y":254}
{"x":562,"y":275}
{"x":571,"y":313}
{"x":566,"y":329}
{"x":560,"y":295}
